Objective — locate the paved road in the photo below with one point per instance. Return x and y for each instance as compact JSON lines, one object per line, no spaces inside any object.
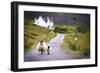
{"x":56,"y":52}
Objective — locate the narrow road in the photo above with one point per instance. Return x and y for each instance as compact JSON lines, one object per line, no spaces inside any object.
{"x":56,"y":52}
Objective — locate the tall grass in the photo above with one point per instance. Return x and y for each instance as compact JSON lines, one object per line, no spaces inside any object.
{"x":79,"y":47}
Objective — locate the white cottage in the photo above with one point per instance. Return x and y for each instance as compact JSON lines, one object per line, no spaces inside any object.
{"x":41,"y":22}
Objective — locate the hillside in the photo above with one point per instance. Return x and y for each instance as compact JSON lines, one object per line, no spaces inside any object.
{"x":33,"y":34}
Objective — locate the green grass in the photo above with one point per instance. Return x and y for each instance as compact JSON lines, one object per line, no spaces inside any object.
{"x":80,"y":47}
{"x":65,"y":28}
{"x":33,"y":34}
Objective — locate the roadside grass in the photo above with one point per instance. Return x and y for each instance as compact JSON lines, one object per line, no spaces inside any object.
{"x":33,"y":34}
{"x":79,"y":47}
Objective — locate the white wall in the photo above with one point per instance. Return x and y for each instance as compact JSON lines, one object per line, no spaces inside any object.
{"x":5,"y":17}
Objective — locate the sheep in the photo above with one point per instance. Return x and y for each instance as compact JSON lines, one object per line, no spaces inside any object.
{"x":43,"y":47}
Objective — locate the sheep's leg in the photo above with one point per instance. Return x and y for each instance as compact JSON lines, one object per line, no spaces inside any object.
{"x":41,"y":52}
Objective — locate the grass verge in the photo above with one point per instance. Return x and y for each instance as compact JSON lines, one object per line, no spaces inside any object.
{"x":77,"y":44}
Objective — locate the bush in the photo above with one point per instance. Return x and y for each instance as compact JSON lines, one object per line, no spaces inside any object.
{"x":60,"y":30}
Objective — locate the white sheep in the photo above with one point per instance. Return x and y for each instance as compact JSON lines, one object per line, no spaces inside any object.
{"x":43,"y":47}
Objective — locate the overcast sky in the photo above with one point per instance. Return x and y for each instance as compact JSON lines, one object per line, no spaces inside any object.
{"x":59,"y":18}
